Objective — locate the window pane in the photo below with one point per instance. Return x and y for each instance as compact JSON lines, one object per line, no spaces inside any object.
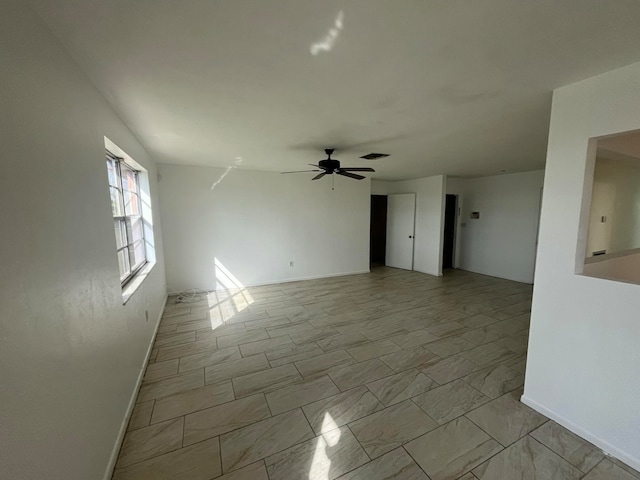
{"x":129,"y":180}
{"x":123,"y":262}
{"x":135,"y":229}
{"x":112,"y":171}
{"x":116,"y":202}
{"x":121,"y":233}
{"x":131,"y":203}
{"x":137,"y":255}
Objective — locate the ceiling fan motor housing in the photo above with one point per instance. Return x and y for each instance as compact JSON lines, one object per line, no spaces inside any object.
{"x":330,"y":166}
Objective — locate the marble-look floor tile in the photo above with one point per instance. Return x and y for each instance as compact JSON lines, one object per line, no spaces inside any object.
{"x":489,"y":354}
{"x":382,"y":331}
{"x":623,"y":466}
{"x":193,"y":326}
{"x":255,"y":471}
{"x":171,"y":385}
{"x":206,"y":359}
{"x":262,"y":439}
{"x":149,"y":442}
{"x":224,"y":418}
{"x":210,"y":333}
{"x":197,"y":462}
{"x":527,"y":458}
{"x":300,"y":393}
{"x":413,"y":338}
{"x":235,"y":368}
{"x":345,"y":340}
{"x":292,"y":353}
{"x":481,"y":336}
{"x":401,"y":386}
{"x":192,"y":400}
{"x":507,"y":419}
{"x":372,"y":350}
{"x":568,"y":445}
{"x":341,"y":409}
{"x":177,"y":351}
{"x":447,"y":369}
{"x":516,"y":343}
{"x":358,"y":374}
{"x":315,"y":335}
{"x":448,"y":329}
{"x":450,"y":401}
{"x":392,"y":427}
{"x":266,"y":380}
{"x":449,"y":346}
{"x":322,"y":363}
{"x":477,"y":321}
{"x":159,"y":370}
{"x":241,"y":338}
{"x":261,"y":346}
{"x":468,"y":476}
{"x":395,"y":465}
{"x":322,"y":458}
{"x":495,"y":381}
{"x":408,"y":358}
{"x":175,"y":339}
{"x":452,"y":450}
{"x":286,"y":330}
{"x":266,"y":323}
{"x":607,"y":470}
{"x":141,"y":415}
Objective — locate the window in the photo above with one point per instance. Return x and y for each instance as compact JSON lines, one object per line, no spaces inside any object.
{"x":124,"y":187}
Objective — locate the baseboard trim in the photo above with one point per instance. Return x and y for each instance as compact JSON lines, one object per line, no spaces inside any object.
{"x":605,"y":446}
{"x":312,"y":277}
{"x":287,"y":280}
{"x":132,"y":401}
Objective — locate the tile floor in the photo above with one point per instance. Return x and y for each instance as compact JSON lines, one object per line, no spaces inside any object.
{"x":387,"y":375}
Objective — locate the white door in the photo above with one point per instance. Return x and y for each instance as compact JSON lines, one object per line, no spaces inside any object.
{"x":401,"y":214}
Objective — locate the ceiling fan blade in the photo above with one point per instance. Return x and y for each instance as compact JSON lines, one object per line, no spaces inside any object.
{"x":320,"y":175}
{"x":365,"y":169}
{"x":317,"y":166}
{"x":350,"y":175}
{"x":302,"y":171}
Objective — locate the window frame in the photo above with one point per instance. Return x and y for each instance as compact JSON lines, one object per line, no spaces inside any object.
{"x":127,"y":220}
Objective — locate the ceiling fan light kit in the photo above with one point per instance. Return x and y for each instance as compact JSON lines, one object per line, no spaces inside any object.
{"x":330,"y":166}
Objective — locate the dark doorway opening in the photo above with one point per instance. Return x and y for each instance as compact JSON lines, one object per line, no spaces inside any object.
{"x":450,"y":210}
{"x":378,"y":230}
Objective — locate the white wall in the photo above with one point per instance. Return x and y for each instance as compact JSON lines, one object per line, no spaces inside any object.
{"x":254,"y":223}
{"x":429,"y":218}
{"x":70,"y":352}
{"x":584,"y":362}
{"x":502,"y":242}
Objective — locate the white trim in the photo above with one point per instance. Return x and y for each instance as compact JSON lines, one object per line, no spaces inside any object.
{"x":132,"y":402}
{"x":136,"y":281}
{"x":288,"y":280}
{"x":605,"y":446}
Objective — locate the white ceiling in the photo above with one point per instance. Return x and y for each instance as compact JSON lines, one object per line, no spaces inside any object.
{"x":458,"y":87}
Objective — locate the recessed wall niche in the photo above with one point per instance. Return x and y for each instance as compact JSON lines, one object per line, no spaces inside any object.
{"x":612,"y":215}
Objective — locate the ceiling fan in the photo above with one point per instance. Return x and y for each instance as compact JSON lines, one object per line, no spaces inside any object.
{"x":330,"y":166}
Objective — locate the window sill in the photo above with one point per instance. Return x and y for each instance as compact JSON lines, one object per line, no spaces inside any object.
{"x":130,"y":288}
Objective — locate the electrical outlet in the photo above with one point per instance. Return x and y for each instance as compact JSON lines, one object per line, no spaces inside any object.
{"x":291,"y":263}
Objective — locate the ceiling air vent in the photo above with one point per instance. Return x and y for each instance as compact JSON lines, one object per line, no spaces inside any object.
{"x":374,"y":156}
